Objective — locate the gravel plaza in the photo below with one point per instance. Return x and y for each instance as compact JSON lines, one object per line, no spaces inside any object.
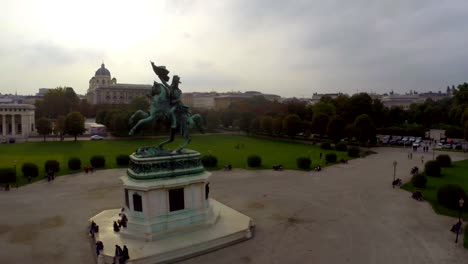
{"x":347,"y":213}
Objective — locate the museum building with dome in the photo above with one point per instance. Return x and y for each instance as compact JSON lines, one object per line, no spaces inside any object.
{"x":103,"y":89}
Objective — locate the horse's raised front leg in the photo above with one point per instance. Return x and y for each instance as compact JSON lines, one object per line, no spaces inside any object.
{"x":171,"y":138}
{"x":138,"y":112}
{"x":142,"y":122}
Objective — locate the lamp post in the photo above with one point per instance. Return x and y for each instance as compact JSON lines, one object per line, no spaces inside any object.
{"x":394,"y":172}
{"x":460,"y":203}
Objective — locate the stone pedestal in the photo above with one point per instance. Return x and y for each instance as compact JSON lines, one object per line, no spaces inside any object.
{"x":166,"y":201}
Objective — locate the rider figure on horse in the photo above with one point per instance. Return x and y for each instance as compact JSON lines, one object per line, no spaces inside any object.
{"x":175,"y":94}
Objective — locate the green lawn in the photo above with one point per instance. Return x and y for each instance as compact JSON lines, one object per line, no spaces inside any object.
{"x":457,"y":174}
{"x":222,"y":146}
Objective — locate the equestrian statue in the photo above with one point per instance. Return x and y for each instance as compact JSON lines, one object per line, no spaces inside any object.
{"x":166,"y":103}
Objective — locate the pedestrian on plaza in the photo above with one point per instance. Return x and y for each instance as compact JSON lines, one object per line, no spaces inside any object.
{"x":125,"y":255}
{"x":422,"y":159}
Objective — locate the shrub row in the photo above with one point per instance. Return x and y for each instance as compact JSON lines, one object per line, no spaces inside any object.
{"x":32,"y":170}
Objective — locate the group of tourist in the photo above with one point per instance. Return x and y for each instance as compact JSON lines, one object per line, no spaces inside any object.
{"x":120,"y":223}
{"x":121,"y":255}
{"x":88,"y":169}
{"x":278,"y":167}
{"x":50,"y":175}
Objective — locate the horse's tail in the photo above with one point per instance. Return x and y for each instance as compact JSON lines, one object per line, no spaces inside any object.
{"x":198,"y":120}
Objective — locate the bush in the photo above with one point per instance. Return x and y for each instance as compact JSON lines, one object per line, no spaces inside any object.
{"x":341,"y":146}
{"x":432,"y":168}
{"x":444,"y":160}
{"x":325,"y":145}
{"x":98,"y":161}
{"x":353,"y":152}
{"x":74,"y":164}
{"x":30,"y":170}
{"x":52,"y":165}
{"x":254,"y":161}
{"x":303,"y":163}
{"x":209,"y":161}
{"x":448,"y":195}
{"x":122,"y":160}
{"x":330,"y":157}
{"x":419,"y":180}
{"x":7,"y":175}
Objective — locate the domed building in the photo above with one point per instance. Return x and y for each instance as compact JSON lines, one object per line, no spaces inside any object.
{"x":103,"y":89}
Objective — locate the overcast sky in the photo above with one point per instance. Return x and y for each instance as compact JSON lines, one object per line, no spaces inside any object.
{"x":289,"y":48}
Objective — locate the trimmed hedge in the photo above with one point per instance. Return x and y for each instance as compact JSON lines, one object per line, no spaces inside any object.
{"x":303,"y":163}
{"x":122,"y":160}
{"x":74,"y":164}
{"x":444,"y":160}
{"x":254,"y":161}
{"x":432,"y":168}
{"x":330,"y":157}
{"x":449,"y":195}
{"x":7,"y":175}
{"x":30,"y":170}
{"x":353,"y":152}
{"x":326,"y":145}
{"x":52,"y":165}
{"x":209,"y":161}
{"x":98,"y":161}
{"x":341,"y":146}
{"x":419,"y":180}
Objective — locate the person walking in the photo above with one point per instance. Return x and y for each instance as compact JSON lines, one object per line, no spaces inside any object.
{"x":422,"y":159}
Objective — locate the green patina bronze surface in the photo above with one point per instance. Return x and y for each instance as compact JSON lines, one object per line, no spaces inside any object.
{"x":166,"y":104}
{"x":165,"y":166}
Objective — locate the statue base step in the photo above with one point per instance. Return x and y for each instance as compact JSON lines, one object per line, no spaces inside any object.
{"x":231,"y":227}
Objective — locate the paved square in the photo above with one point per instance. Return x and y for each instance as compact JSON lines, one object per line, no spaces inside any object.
{"x":347,"y":213}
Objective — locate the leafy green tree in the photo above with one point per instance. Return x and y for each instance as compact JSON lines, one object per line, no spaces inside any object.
{"x":212,"y":119}
{"x":357,"y":105}
{"x":74,"y":124}
{"x":267,"y":124}
{"x":139,"y":103}
{"x":319,"y":123}
{"x":57,"y":102}
{"x":59,"y":126}
{"x":255,"y":125}
{"x":336,"y":128}
{"x":324,"y":108}
{"x":277,"y":125}
{"x":44,"y":127}
{"x":461,"y":94}
{"x":292,"y":125}
{"x":366,"y":128}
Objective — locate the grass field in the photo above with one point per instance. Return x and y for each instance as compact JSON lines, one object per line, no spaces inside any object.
{"x":457,"y":174}
{"x":224,"y":147}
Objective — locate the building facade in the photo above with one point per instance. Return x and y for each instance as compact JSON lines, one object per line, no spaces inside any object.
{"x":103,"y":89}
{"x":17,"y":121}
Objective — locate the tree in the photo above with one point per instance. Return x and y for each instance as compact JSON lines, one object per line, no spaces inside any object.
{"x":44,"y":127}
{"x":74,"y":124}
{"x":139,"y":103}
{"x":267,"y":124}
{"x":357,"y":105}
{"x":59,"y":126}
{"x":324,"y":108}
{"x":336,"y":128}
{"x":277,"y":125}
{"x":292,"y":125}
{"x":319,"y":124}
{"x":57,"y":102}
{"x":366,"y":128}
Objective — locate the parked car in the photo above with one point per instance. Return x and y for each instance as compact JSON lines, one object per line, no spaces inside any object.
{"x":412,"y":139}
{"x":96,"y":137}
